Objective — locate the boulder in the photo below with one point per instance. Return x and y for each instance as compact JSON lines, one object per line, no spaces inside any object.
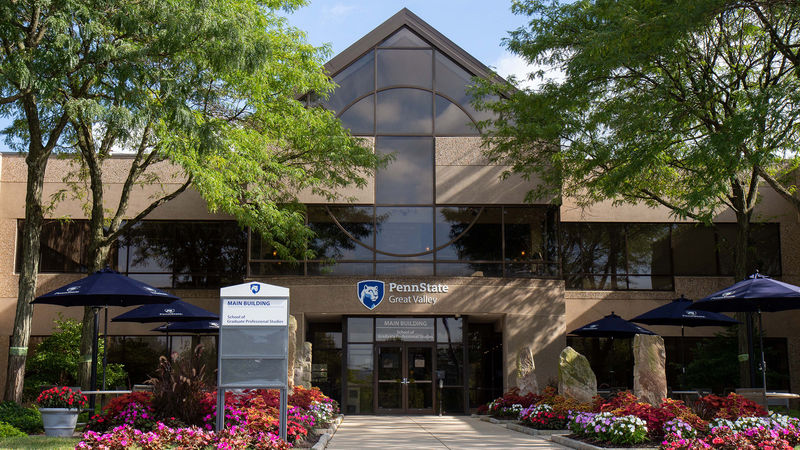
{"x":575,"y":377}
{"x":649,"y":369}
{"x":292,"y":348}
{"x":526,"y":372}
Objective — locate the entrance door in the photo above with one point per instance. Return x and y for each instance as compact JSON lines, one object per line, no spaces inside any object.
{"x":404,"y":378}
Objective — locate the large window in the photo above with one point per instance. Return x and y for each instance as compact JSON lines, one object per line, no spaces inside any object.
{"x":177,"y":254}
{"x":421,"y":240}
{"x":620,"y":256}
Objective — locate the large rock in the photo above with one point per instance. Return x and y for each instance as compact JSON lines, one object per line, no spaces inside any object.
{"x":302,"y":372}
{"x":575,"y":377}
{"x":649,"y":369}
{"x":526,"y":372}
{"x":292,"y":348}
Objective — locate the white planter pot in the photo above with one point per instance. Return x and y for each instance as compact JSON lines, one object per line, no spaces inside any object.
{"x":59,"y":422}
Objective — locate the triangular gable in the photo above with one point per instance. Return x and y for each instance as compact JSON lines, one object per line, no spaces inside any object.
{"x":406,"y":18}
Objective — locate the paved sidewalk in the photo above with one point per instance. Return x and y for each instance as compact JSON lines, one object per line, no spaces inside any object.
{"x":429,"y":432}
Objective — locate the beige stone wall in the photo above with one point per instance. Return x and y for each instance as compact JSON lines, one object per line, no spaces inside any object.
{"x":531,"y":311}
{"x":464,"y":175}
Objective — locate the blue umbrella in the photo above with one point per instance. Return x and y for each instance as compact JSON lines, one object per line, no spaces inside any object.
{"x":611,"y":326}
{"x":677,"y":312}
{"x":104,"y":288}
{"x":199,"y":326}
{"x":758,"y":293}
{"x":177,"y":311}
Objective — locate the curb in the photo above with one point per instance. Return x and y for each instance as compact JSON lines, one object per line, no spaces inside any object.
{"x":546,"y":434}
{"x":498,"y":421}
{"x":322,"y":443}
{"x":578,"y":445}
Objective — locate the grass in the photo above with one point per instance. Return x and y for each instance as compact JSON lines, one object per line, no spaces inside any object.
{"x":39,"y":441}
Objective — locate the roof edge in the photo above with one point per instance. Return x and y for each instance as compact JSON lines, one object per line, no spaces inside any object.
{"x":405,"y":17}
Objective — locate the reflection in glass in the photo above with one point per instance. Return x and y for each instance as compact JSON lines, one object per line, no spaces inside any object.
{"x":405,"y":67}
{"x":359,"y":378}
{"x":448,"y":330}
{"x":480,"y":242}
{"x":339,"y":268}
{"x":405,"y":230}
{"x":405,"y":111}
{"x":330,"y":242}
{"x":277,"y":268}
{"x":359,"y":329}
{"x":197,"y":254}
{"x":326,"y":358}
{"x":694,"y":250}
{"x":763,"y":250}
{"x":64,"y":246}
{"x":453,"y":81}
{"x":409,"y":178}
{"x":485,"y":347}
{"x":469,"y":269}
{"x":404,"y":38}
{"x":360,"y":118}
{"x":649,"y":249}
{"x":420,"y":377}
{"x":354,"y":81}
{"x":450,"y":359}
{"x":390,"y":375}
{"x":452,"y":120}
{"x":404,"y":269}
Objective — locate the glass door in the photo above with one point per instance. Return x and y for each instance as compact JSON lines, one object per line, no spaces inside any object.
{"x":419,"y":385}
{"x":390,"y":379}
{"x":404,"y":378}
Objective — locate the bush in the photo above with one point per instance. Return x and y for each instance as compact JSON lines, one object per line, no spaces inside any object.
{"x":731,"y":407}
{"x":179,"y":389}
{"x":28,"y":420}
{"x":511,"y":404}
{"x":55,"y":360}
{"x":7,"y":430}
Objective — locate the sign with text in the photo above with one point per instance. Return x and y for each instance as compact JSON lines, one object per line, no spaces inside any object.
{"x":411,"y":329}
{"x":253,"y":350}
{"x":245,"y":312}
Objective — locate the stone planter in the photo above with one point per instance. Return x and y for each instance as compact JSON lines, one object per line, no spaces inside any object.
{"x":59,"y":422}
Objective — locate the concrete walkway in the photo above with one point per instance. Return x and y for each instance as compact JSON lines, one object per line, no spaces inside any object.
{"x":429,"y":432}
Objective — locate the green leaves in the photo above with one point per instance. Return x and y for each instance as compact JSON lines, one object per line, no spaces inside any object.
{"x":673,"y":103}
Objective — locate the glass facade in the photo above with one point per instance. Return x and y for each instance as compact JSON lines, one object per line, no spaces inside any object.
{"x":394,"y":364}
{"x":642,"y":256}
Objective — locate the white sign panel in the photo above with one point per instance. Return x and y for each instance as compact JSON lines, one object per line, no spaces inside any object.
{"x":254,"y":312}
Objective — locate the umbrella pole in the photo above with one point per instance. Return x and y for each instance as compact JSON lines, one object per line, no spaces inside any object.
{"x":93,"y":380}
{"x":105,"y":347}
{"x":683,"y":353}
{"x":763,"y":361}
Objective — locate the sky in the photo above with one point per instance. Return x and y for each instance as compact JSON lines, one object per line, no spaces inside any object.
{"x":477,"y":26}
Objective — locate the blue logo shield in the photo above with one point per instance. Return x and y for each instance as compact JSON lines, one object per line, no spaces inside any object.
{"x":255,"y":287}
{"x":370,"y":293}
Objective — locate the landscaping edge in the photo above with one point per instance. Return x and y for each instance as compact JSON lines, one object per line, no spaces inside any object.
{"x":579,"y":445}
{"x":322,"y":443}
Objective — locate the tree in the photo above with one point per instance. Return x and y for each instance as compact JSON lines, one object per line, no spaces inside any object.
{"x":685,"y":121}
{"x":208,"y":88}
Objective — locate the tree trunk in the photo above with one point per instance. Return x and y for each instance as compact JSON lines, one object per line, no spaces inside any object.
{"x":31,"y":233}
{"x":97,"y":259}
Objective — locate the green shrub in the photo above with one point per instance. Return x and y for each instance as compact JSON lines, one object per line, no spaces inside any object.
{"x":28,"y":420}
{"x":7,"y":430}
{"x":55,"y":360}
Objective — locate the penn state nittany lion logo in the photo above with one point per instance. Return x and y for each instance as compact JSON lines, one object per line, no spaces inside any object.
{"x":370,"y":293}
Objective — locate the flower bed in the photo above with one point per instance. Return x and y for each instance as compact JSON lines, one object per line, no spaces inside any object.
{"x":729,"y":422}
{"x":253,"y":414}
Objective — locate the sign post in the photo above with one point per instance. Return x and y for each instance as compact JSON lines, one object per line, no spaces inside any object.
{"x":253,"y":343}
